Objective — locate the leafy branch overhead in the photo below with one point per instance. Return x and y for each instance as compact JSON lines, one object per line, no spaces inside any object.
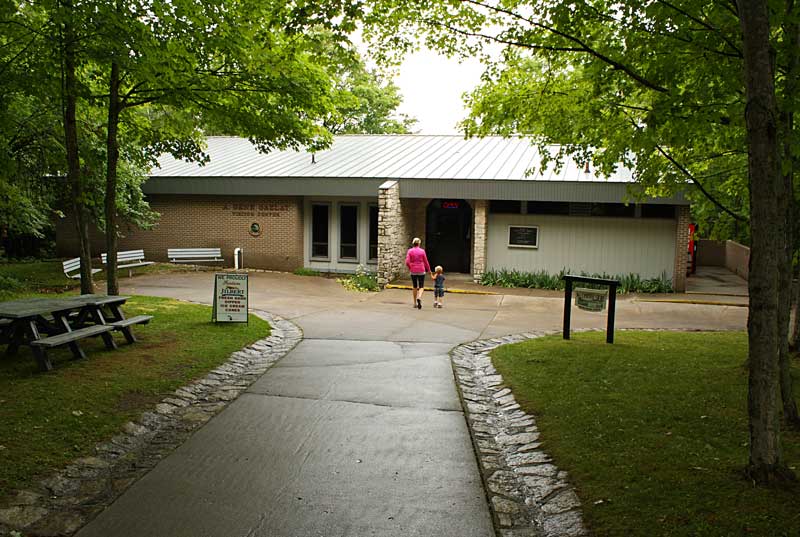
{"x":655,"y":84}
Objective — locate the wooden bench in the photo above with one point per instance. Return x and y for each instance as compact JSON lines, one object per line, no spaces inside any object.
{"x":71,"y":339}
{"x":128,"y":259}
{"x":124,"y":325}
{"x":72,"y":265}
{"x":195,"y":255}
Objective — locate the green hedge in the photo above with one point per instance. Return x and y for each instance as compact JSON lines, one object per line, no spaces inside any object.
{"x":631,"y":283}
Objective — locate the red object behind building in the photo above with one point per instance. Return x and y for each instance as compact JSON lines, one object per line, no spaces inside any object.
{"x":691,"y":265}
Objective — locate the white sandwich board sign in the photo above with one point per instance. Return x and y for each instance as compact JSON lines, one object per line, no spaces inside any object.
{"x":230,"y":298}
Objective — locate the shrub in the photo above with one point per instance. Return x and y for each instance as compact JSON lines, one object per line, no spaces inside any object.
{"x":9,"y":285}
{"x":302,"y":271}
{"x":630,"y":283}
{"x":363,"y":280}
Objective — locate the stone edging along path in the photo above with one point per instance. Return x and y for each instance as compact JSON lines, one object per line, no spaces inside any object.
{"x":528,"y":495}
{"x":62,"y":503}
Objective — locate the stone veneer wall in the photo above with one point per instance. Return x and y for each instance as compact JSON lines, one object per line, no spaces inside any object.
{"x":399,"y":221}
{"x":210,"y":222}
{"x":480,"y":212}
{"x":391,"y":232}
{"x":682,"y":220}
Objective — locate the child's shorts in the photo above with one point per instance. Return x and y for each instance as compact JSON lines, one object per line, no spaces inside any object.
{"x":438,"y":292}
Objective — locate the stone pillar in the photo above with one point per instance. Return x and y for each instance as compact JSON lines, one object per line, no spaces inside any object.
{"x":480,"y":219}
{"x":389,"y":231}
{"x":681,"y":248}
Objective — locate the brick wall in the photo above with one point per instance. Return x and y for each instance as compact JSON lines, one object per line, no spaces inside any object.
{"x":681,"y":247}
{"x":210,"y":222}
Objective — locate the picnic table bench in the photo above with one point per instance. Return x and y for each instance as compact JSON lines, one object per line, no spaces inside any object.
{"x":195,"y":255}
{"x":64,"y":321}
{"x":128,"y":259}
{"x":71,"y":265}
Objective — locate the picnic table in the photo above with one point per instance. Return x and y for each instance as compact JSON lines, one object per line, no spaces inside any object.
{"x":64,"y":321}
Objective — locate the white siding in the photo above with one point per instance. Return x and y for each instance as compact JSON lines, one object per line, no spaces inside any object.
{"x":591,"y":244}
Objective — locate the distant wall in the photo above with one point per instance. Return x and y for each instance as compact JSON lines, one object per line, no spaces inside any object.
{"x":729,"y":254}
{"x":210,"y":222}
{"x":710,"y":253}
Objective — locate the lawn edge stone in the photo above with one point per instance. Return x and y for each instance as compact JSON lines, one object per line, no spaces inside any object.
{"x":62,"y":503}
{"x":524,"y":502}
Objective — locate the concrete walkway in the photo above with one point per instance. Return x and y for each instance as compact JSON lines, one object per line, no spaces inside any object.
{"x":358,"y":431}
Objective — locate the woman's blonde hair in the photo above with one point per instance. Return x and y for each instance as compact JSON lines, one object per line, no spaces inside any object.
{"x":416,"y":241}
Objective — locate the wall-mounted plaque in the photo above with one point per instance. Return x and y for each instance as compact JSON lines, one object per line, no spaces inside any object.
{"x":255,"y":229}
{"x":523,"y":236}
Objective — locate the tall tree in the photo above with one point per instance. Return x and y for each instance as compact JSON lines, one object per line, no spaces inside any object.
{"x":241,"y":64}
{"x":69,"y":94}
{"x":366,"y":101}
{"x":658,"y":86}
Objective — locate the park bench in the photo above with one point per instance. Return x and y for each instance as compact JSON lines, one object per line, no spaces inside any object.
{"x":195,"y":255}
{"x":72,"y":265}
{"x":128,"y":259}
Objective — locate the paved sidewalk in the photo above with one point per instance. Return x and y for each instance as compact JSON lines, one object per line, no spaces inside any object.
{"x":356,"y":432}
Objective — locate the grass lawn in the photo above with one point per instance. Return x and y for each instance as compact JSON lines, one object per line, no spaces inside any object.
{"x":48,"y":419}
{"x":653,"y":431}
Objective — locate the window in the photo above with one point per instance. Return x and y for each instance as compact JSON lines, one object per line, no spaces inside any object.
{"x":619,"y":210}
{"x":658,"y":211}
{"x":548,"y":207}
{"x":505,"y":207}
{"x":373,"y":232}
{"x":348,"y":232}
{"x":523,"y":236}
{"x":319,"y":231}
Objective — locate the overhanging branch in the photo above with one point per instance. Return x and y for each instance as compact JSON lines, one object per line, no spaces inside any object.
{"x":699,"y":186}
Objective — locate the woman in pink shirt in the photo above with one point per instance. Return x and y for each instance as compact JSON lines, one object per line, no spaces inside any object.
{"x":417,"y":263}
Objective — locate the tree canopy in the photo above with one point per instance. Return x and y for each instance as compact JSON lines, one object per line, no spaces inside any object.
{"x":695,"y":96}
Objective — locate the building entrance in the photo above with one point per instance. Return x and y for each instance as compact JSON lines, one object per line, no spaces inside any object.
{"x":448,"y":234}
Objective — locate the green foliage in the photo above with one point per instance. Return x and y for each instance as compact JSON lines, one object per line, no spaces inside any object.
{"x":9,"y":286}
{"x":361,"y":281}
{"x":262,"y":69}
{"x":652,"y":431}
{"x":630,"y":283}
{"x":47,"y":420}
{"x":366,"y":101}
{"x":302,"y":271}
{"x":515,"y":278}
{"x":657,"y":86}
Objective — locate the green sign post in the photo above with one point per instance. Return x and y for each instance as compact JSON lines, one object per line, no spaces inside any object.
{"x":588,"y":299}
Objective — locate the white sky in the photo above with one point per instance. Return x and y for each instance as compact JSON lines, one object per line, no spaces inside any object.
{"x":432,"y":86}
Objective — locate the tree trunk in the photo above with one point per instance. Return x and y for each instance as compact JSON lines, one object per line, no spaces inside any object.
{"x":794,"y":333}
{"x":766,"y":463}
{"x":785,"y":209}
{"x":792,"y":35}
{"x":112,"y":159}
{"x":74,"y":179}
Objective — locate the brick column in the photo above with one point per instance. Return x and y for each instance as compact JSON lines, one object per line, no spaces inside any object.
{"x":681,"y":248}
{"x":480,"y":214}
{"x":389,"y":231}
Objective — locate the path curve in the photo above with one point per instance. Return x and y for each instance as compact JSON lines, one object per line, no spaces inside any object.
{"x":359,"y":430}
